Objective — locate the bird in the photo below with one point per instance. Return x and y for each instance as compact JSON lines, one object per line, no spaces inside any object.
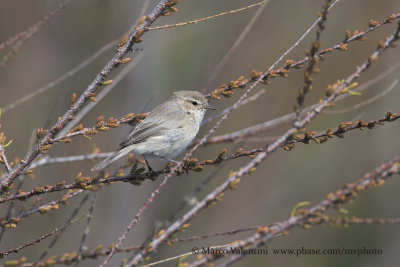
{"x":166,"y":131}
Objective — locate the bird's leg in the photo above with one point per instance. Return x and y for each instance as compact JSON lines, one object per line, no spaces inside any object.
{"x":148,"y":165}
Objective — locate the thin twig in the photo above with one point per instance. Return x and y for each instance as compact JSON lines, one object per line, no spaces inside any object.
{"x":42,"y":208}
{"x":36,"y":241}
{"x":62,"y":78}
{"x":343,"y":128}
{"x":208,"y":18}
{"x":129,"y":67}
{"x":364,"y":103}
{"x":69,"y":73}
{"x":9,"y":211}
{"x":235,"y":45}
{"x":3,"y":159}
{"x":22,"y":37}
{"x":86,"y":228}
{"x":57,"y":237}
{"x":312,"y":61}
{"x":244,"y":102}
{"x":49,"y":160}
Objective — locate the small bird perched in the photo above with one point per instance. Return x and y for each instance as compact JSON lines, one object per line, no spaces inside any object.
{"x":166,"y":131}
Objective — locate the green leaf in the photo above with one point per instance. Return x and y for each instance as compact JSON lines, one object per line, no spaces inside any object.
{"x":87,"y":137}
{"x":354,"y":93}
{"x":298,"y":205}
{"x":9,"y":143}
{"x":343,"y":211}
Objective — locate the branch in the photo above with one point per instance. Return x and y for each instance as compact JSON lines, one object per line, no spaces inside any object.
{"x":209,"y":17}
{"x":13,"y":221}
{"x":343,"y":128}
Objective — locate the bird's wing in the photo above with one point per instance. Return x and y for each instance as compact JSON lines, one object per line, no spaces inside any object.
{"x":160,"y":120}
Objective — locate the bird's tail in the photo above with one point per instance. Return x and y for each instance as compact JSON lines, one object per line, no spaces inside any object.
{"x":120,"y":153}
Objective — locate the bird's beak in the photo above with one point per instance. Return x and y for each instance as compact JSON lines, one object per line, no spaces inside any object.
{"x":207,"y":106}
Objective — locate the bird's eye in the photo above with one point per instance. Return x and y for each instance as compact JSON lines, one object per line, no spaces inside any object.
{"x":194,"y":103}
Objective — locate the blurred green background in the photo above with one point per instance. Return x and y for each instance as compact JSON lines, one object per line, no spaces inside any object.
{"x":183,"y":59}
